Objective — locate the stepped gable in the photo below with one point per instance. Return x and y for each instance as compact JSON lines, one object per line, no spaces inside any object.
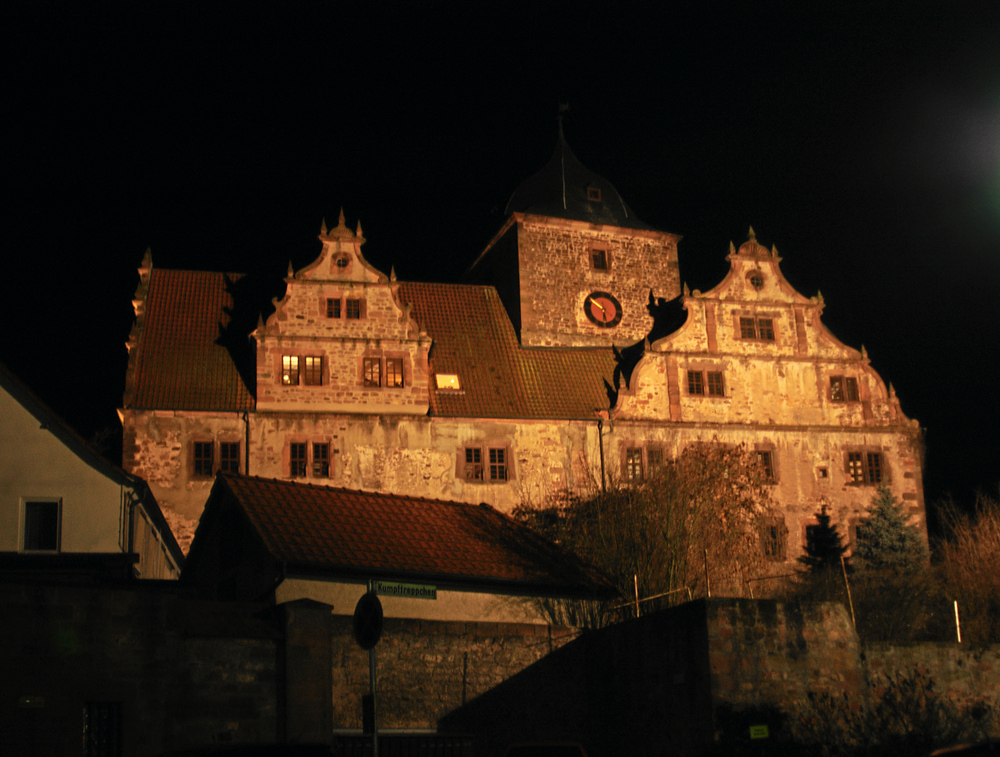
{"x":345,"y":531}
{"x":474,"y":339}
{"x":177,"y":362}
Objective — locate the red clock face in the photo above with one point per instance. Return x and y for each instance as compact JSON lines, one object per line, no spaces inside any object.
{"x":603,"y":309}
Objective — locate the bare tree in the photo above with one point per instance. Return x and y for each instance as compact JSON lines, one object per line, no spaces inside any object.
{"x":692,"y":524}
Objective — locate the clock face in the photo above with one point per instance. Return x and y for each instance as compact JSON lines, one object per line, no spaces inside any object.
{"x":603,"y":309}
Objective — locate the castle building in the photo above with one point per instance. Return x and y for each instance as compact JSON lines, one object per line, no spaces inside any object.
{"x":556,"y":366}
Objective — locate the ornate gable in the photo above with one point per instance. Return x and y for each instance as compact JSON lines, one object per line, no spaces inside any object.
{"x":340,"y":340}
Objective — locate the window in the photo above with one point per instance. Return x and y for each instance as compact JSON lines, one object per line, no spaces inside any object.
{"x":594,"y":194}
{"x":599,"y":259}
{"x":41,"y":525}
{"x":473,"y":464}
{"x":756,"y":279}
{"x":229,"y":457}
{"x":290,"y":370}
{"x":447,"y":381}
{"x":498,"y":464}
{"x":633,"y":464}
{"x":864,"y":467}
{"x":394,"y":371}
{"x":102,"y":729}
{"x":371,"y":371}
{"x":715,"y":386}
{"x":843,"y":389}
{"x":314,"y":371}
{"x":297,"y":459}
{"x":695,"y":383}
{"x":353,"y":309}
{"x":654,"y":458}
{"x":757,"y":328}
{"x":774,"y":539}
{"x":204,"y":458}
{"x":766,"y":460}
{"x":333,"y":307}
{"x":343,"y":261}
{"x":321,"y":460}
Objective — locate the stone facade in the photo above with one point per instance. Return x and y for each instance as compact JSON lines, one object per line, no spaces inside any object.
{"x":350,"y":387}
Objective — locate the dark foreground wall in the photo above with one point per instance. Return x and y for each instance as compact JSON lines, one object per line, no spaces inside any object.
{"x":170,"y":670}
{"x":680,"y":681}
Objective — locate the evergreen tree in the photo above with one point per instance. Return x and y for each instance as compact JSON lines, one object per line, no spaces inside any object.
{"x":885,"y":541}
{"x":824,"y":546}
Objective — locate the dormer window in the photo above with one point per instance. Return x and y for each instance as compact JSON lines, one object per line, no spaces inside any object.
{"x":447,"y":381}
{"x":594,"y":194}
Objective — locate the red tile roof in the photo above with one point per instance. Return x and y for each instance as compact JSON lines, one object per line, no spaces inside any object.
{"x":474,"y":338}
{"x":179,"y":365}
{"x":350,"y":532}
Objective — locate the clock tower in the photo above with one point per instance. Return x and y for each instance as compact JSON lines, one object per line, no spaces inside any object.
{"x":573,"y":264}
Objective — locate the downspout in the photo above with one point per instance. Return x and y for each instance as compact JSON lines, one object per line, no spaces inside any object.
{"x":246,"y":443}
{"x":600,"y":443}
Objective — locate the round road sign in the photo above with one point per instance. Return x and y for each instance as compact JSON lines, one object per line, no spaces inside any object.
{"x":368,"y":621}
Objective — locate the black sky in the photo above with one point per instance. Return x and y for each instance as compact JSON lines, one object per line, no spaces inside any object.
{"x":862,"y":140}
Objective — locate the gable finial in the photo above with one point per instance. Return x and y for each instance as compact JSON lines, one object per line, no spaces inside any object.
{"x":342,"y":222}
{"x":322,"y":228}
{"x":358,"y":233}
{"x":864,"y":353}
{"x":732,"y":247}
{"x":563,"y":108}
{"x":752,"y":237}
{"x":774,"y":250}
{"x":291,"y":271}
{"x":687,"y":292}
{"x":392,"y":273}
{"x":819,"y":295}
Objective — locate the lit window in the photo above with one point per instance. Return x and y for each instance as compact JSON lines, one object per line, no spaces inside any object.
{"x":766,"y":460}
{"x":864,"y":467}
{"x":372,"y":371}
{"x":333,"y":307}
{"x":633,"y":464}
{"x":41,"y":526}
{"x":715,"y":386}
{"x":321,"y":460}
{"x":290,"y":370}
{"x":394,"y":371}
{"x":599,"y":259}
{"x":229,"y":457}
{"x":498,"y":464}
{"x":353,"y":309}
{"x":204,"y":459}
{"x":447,"y":381}
{"x":473,"y":464}
{"x":314,"y":371}
{"x":297,"y":459}
{"x":695,"y":383}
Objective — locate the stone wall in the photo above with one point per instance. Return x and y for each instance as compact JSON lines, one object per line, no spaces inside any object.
{"x":426,"y":669}
{"x":183,"y":672}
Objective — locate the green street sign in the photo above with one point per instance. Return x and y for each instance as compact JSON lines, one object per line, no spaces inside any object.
{"x":759,"y":732}
{"x":408,"y":591}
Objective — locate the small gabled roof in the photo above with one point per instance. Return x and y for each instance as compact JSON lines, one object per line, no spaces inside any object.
{"x":179,"y":364}
{"x":55,"y":425}
{"x":474,"y":339}
{"x":349,"y":533}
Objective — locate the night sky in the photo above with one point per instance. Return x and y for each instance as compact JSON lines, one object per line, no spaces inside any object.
{"x":862,"y":140}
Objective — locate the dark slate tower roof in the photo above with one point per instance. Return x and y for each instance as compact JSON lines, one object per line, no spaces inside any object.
{"x":565,"y":188}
